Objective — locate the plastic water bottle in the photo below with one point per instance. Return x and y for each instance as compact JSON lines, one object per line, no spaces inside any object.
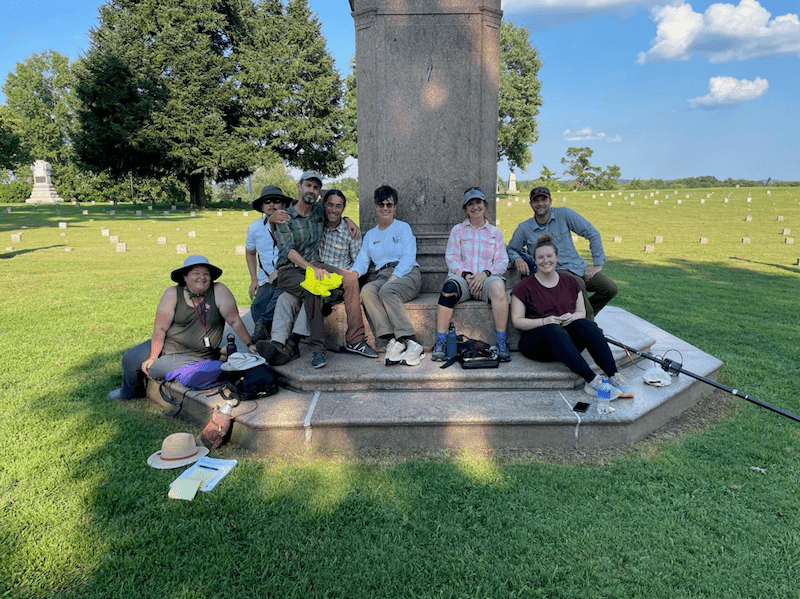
{"x":452,"y":342}
{"x":604,"y":397}
{"x":231,"y":347}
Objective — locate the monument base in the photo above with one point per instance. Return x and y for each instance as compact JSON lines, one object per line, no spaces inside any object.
{"x":357,"y":405}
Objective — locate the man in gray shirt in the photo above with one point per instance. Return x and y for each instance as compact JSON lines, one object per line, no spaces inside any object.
{"x":560,"y":223}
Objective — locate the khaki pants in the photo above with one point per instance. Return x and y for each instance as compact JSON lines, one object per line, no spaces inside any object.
{"x":385,"y":300}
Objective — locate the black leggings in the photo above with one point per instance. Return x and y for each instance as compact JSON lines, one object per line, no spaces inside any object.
{"x":555,"y":343}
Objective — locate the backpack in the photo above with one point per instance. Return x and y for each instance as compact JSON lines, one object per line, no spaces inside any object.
{"x":253,"y":383}
{"x":473,"y":353}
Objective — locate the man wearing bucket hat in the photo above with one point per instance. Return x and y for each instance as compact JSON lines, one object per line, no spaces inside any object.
{"x":188,"y":327}
{"x":260,"y":255}
{"x":560,"y":223}
{"x":298,"y":243}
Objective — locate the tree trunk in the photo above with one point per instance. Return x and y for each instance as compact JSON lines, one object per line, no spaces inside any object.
{"x":197,"y":192}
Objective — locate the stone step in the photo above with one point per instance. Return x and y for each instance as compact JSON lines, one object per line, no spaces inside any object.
{"x":415,"y":416}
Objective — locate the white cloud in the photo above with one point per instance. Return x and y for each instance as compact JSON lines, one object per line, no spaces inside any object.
{"x":727,"y":90}
{"x":616,"y":139}
{"x":588,"y":134}
{"x":724,"y":32}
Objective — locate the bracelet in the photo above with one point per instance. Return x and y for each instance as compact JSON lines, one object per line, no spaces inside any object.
{"x":251,"y":344}
{"x":488,"y":273}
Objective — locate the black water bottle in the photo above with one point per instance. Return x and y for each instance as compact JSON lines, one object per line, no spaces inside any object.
{"x":452,"y":342}
{"x":231,"y":347}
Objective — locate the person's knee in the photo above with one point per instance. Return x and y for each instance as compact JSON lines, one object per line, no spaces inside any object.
{"x":497,"y":293}
{"x":450,"y":294}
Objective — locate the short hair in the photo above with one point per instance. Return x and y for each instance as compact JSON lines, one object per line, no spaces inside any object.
{"x":334,"y":192}
{"x":545,"y":241}
{"x":384,"y":192}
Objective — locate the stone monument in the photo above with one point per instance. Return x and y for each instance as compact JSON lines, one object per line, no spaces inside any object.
{"x":512,"y":183}
{"x":43,"y":191}
{"x":427,"y":99}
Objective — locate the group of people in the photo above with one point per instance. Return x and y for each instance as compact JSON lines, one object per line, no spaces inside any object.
{"x":553,"y":305}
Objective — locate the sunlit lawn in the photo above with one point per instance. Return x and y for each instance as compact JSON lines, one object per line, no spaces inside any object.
{"x":82,"y":515}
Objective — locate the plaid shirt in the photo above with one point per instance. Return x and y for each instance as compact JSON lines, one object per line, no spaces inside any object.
{"x":338,"y":248}
{"x":301,"y":233}
{"x":476,"y":250}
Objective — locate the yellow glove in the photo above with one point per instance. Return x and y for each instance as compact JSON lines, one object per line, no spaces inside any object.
{"x":323,"y":287}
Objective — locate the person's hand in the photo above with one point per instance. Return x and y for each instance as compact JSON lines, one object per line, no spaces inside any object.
{"x":252,"y":349}
{"x":253,"y":289}
{"x":591,"y":271}
{"x":522,"y":267}
{"x":476,"y":284}
{"x":352,"y":228}
{"x":273,"y":276}
{"x":566,"y":319}
{"x":321,"y":273}
{"x":279,"y":217}
{"x":147,"y":364}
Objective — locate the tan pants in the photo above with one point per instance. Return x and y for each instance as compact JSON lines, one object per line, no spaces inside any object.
{"x":385,"y":300}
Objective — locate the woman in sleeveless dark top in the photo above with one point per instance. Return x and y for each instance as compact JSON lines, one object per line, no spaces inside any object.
{"x":188,"y":327}
{"x":548,"y":308}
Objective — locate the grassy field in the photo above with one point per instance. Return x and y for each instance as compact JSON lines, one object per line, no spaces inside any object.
{"x":82,"y":515}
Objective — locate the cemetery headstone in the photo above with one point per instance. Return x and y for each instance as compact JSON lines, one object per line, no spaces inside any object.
{"x":181,"y":249}
{"x":162,"y":241}
{"x":122,"y":247}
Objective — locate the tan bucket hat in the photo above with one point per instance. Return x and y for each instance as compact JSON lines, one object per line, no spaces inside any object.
{"x":178,"y":449}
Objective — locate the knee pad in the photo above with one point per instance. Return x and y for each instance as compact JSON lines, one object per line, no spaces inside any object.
{"x":450,"y":294}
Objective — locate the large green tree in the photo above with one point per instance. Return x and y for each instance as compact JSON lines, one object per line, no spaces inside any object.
{"x":12,"y":154}
{"x":39,"y":98}
{"x":158,"y":91}
{"x":290,"y":91}
{"x":578,"y":166}
{"x":520,"y":96}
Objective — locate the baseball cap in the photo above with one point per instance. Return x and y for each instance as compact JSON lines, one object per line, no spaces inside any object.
{"x":539,"y":191}
{"x":312,"y":174}
{"x":472,"y":193}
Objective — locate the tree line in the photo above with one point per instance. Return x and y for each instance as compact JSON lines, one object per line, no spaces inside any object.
{"x":175,"y":95}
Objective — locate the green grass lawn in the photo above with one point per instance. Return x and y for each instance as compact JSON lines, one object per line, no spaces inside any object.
{"x":82,"y":515}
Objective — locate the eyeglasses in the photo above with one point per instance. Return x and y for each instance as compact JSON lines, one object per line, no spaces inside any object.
{"x":273,"y":201}
{"x":385,"y":204}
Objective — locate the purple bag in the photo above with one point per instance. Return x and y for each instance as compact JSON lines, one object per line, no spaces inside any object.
{"x":199,"y":375}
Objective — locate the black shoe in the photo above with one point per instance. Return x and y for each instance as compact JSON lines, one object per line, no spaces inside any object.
{"x":267,"y":350}
{"x":285,"y":353}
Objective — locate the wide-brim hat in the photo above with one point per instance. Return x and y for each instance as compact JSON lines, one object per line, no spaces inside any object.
{"x":195,"y":260}
{"x":270,"y":192}
{"x":240,"y":361}
{"x":177,"y":449}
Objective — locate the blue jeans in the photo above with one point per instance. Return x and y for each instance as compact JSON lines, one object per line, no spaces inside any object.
{"x":263,"y":307}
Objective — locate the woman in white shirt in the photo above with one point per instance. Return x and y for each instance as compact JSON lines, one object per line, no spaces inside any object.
{"x":392,"y":247}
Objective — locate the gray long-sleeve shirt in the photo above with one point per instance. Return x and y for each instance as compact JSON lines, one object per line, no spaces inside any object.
{"x":562,"y":223}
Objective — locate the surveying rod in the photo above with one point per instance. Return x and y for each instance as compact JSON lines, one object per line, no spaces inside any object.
{"x":672,"y":366}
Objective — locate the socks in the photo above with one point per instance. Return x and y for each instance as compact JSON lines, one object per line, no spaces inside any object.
{"x":441,"y":337}
{"x":501,"y":337}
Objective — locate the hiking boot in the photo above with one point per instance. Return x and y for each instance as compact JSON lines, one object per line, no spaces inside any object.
{"x":620,"y":383}
{"x":503,"y":353}
{"x":593,"y":387}
{"x":318,"y":359}
{"x":413,"y":354}
{"x":260,"y":332}
{"x":361,"y":348}
{"x":393,"y":351}
{"x":276,"y":353}
{"x":439,"y":351}
{"x":266,"y":350}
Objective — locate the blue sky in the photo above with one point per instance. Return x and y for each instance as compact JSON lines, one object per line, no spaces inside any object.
{"x":663,"y":90}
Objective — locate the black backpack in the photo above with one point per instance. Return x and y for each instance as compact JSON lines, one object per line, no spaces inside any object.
{"x":253,"y":383}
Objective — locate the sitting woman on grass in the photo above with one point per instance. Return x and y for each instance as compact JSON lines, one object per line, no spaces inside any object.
{"x":188,"y":327}
{"x":548,"y":308}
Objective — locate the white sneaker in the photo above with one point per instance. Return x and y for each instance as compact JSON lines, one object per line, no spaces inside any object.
{"x":394,"y":350}
{"x":413,"y":354}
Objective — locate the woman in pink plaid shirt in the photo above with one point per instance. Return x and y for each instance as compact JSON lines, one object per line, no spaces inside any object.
{"x":476,"y":260}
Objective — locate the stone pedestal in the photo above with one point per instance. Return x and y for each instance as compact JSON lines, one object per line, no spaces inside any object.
{"x":427,"y":113}
{"x":512,"y":183}
{"x":43,"y":191}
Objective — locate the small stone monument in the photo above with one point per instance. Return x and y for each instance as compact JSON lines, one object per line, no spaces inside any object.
{"x":181,"y":249}
{"x":512,"y":183}
{"x":43,"y":191}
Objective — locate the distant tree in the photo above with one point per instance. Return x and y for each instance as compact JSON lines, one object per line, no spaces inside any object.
{"x":520,"y":96}
{"x":12,"y":154}
{"x":549,"y":178}
{"x":609,"y":178}
{"x":350,"y":116}
{"x":578,"y":166}
{"x":160,"y":74}
{"x":291,"y":93}
{"x":39,"y":97}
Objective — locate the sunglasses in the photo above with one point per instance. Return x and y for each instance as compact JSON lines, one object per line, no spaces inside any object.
{"x":385,"y":204}
{"x":273,"y":201}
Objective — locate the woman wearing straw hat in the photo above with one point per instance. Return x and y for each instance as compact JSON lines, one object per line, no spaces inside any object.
{"x":188,"y":327}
